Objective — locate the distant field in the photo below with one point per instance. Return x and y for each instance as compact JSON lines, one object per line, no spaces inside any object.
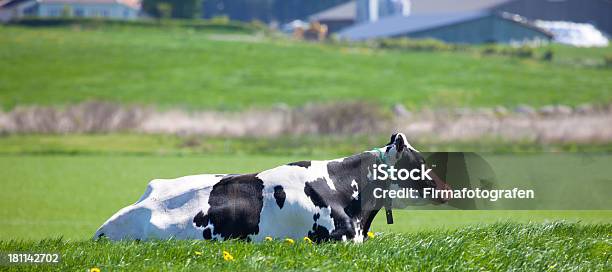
{"x":310,"y":146}
{"x":185,"y":68}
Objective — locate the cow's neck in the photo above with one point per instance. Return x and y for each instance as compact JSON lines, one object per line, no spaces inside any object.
{"x":373,"y":206}
{"x":358,"y":168}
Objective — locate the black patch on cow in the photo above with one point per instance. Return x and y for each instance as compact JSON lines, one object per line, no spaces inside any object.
{"x":279,"y":195}
{"x":235,"y":206}
{"x":200,"y":220}
{"x":343,"y":173}
{"x":353,"y":208}
{"x":318,"y":233}
{"x":344,"y":208}
{"x":207,"y":234}
{"x":392,"y":140}
{"x":319,"y":192}
{"x":399,"y":143}
{"x":388,"y":145}
{"x":369,"y":217}
{"x":304,"y":164}
{"x":323,"y":196}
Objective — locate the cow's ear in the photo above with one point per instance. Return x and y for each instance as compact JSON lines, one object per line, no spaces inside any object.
{"x":391,"y":142}
{"x":392,"y":139}
{"x":400,"y":142}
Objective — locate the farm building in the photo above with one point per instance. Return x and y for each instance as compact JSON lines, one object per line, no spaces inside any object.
{"x":472,"y":27}
{"x":463,"y":21}
{"x":372,"y":10}
{"x":12,"y":9}
{"x":364,"y":11}
{"x":112,"y":9}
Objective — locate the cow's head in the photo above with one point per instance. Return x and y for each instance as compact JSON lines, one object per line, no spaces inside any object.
{"x":402,"y":155}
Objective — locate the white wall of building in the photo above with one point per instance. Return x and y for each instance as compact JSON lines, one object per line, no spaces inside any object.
{"x":372,"y":10}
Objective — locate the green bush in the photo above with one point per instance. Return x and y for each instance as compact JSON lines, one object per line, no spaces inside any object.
{"x":490,"y":50}
{"x":548,"y":55}
{"x":522,"y":52}
{"x":518,"y":52}
{"x":414,"y":44}
{"x":220,"y":19}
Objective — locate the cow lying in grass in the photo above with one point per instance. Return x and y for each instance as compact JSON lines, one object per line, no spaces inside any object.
{"x":322,"y":200}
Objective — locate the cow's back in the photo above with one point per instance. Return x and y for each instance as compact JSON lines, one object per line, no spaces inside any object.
{"x":165,"y":210}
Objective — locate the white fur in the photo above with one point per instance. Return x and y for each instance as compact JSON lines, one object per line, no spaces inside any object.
{"x":167,"y":208}
{"x":295,"y":219}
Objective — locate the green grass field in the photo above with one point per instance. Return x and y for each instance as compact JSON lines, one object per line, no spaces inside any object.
{"x":56,"y":190}
{"x":186,"y":68}
{"x":51,"y":196}
{"x":48,"y":196}
{"x":310,"y":146}
{"x":500,"y":247}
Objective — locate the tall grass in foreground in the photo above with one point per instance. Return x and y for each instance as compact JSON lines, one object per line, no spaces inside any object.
{"x":504,"y":246}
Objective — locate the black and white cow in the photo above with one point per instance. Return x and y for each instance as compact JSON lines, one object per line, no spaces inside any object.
{"x":322,"y":200}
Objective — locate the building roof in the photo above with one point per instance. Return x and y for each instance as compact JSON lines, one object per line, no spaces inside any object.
{"x":398,"y":24}
{"x":11,"y":3}
{"x":135,"y":4}
{"x":346,"y":11}
{"x":401,"y":25}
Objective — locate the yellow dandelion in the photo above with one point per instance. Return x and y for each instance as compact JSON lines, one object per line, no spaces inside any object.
{"x":307,"y":240}
{"x":94,"y":269}
{"x":268,"y":238}
{"x":198,"y":253}
{"x":227,"y":256}
{"x":370,"y":234}
{"x":289,"y":241}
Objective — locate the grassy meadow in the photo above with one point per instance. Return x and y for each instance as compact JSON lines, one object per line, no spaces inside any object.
{"x":175,"y":67}
{"x":55,"y":202}
{"x":58,"y":189}
{"x":499,"y":247}
{"x":71,"y":196}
